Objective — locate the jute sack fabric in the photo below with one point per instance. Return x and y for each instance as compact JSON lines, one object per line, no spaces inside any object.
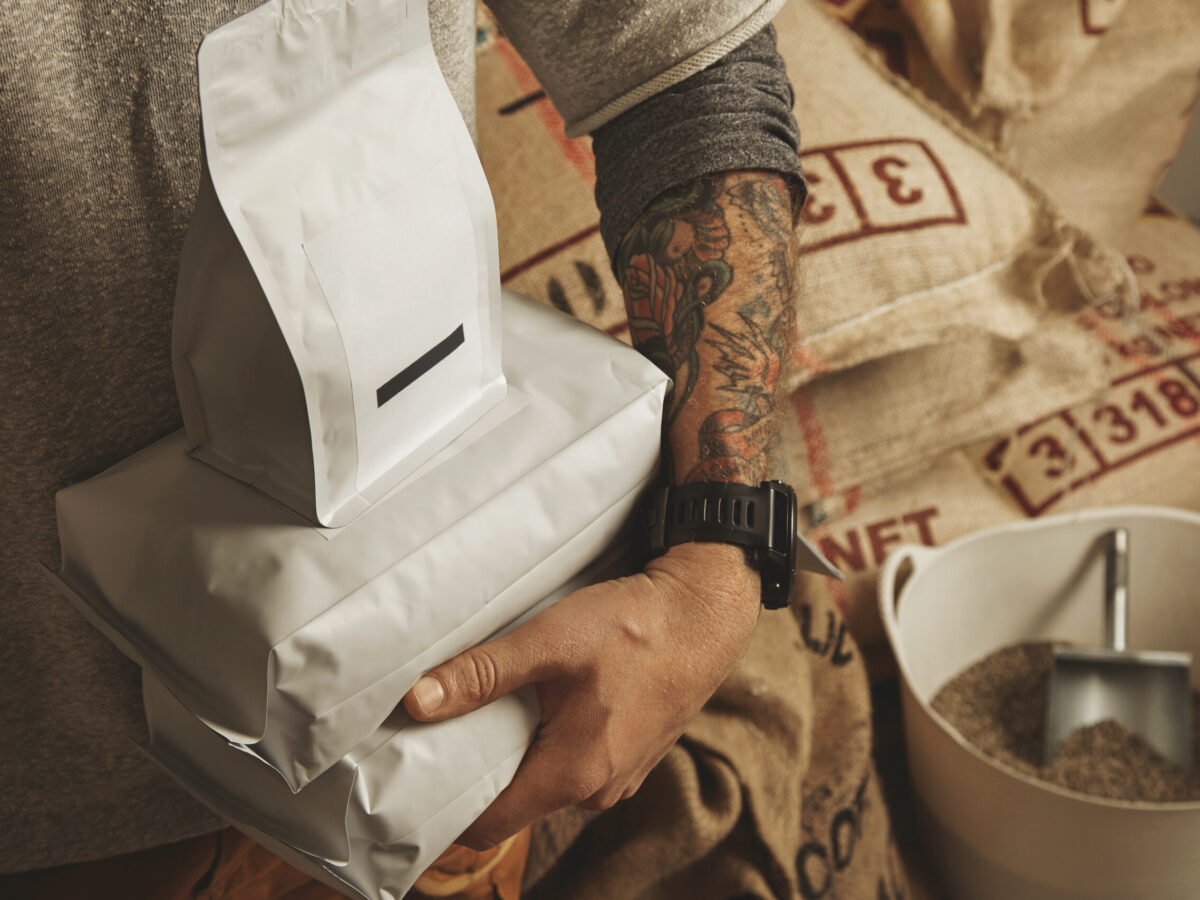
{"x":542,"y":183}
{"x":1100,"y":147}
{"x":896,"y":42}
{"x":1136,"y":441}
{"x":933,"y":280}
{"x":1090,"y":98}
{"x":1004,"y":57}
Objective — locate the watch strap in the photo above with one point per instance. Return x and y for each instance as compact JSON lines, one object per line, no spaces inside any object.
{"x":709,"y":511}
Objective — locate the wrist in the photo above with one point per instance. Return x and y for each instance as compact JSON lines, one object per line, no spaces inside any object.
{"x":715,"y":570}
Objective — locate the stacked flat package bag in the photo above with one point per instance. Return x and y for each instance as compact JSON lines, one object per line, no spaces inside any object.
{"x":386,"y":459}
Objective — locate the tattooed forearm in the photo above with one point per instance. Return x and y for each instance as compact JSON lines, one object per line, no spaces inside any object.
{"x":766,"y":201}
{"x":707,"y":279}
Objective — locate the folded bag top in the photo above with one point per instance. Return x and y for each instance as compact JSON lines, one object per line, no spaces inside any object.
{"x":337,"y":310}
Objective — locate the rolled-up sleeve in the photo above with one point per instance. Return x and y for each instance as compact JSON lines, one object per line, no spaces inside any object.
{"x":598,"y":58}
{"x":734,"y":115}
{"x":669,"y":91}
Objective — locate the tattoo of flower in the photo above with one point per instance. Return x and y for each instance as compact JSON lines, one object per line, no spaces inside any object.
{"x":674,"y":268}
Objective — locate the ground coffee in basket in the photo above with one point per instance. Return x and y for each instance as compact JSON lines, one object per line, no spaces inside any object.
{"x":999,"y":706}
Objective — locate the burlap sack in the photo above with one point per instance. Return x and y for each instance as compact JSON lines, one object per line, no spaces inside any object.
{"x":1137,"y":441}
{"x":1004,"y":57}
{"x":896,"y":43}
{"x":1101,"y":147}
{"x":548,"y":224}
{"x":932,"y":278}
{"x":1090,"y":98}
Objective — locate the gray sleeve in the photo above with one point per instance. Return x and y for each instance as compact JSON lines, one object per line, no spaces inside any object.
{"x":598,"y":58}
{"x":736,"y":114}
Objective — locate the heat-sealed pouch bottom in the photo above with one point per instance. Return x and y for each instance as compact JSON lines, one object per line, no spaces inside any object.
{"x":294,"y":642}
{"x":372,"y":823}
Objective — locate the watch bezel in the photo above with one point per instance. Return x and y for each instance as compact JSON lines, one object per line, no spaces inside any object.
{"x":777,"y":561}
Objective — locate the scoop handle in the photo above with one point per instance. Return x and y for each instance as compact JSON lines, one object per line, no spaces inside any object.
{"x":1116,"y":589}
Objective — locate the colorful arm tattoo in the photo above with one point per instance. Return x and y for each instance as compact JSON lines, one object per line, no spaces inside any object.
{"x":706,"y":273}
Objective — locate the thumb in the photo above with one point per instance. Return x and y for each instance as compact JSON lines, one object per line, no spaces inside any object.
{"x":477,"y":676}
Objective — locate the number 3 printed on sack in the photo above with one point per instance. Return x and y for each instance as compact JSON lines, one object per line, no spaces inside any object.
{"x":874,"y":187}
{"x":1141,"y":413}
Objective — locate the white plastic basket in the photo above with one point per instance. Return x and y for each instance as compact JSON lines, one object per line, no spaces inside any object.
{"x":993,"y":833}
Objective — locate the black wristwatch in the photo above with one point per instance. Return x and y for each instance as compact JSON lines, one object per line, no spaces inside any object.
{"x":760,"y":519}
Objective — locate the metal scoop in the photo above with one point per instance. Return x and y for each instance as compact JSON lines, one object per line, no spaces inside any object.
{"x":1147,"y":691}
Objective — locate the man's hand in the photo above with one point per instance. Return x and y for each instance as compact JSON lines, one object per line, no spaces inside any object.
{"x":620,"y":668}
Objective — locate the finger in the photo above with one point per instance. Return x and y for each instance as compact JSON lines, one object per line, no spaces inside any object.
{"x":544,"y":783}
{"x":480,"y":675}
{"x":636,"y":785}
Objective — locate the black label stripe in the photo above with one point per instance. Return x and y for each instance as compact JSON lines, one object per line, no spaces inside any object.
{"x":427,"y":361}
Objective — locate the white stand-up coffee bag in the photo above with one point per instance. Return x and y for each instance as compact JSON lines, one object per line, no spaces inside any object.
{"x":337,"y":312}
